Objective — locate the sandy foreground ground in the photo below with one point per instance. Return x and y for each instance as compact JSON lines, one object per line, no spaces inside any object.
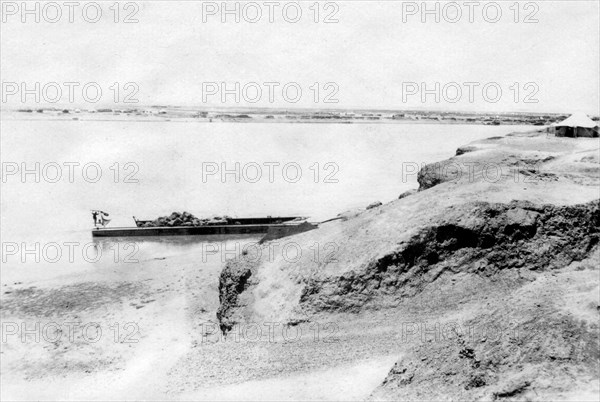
{"x":142,"y":335}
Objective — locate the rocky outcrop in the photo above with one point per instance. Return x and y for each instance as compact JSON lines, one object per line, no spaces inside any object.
{"x":493,"y":161}
{"x":493,"y":238}
{"x":234,"y":280}
{"x":477,"y":238}
{"x":465,"y":149}
{"x":406,"y":194}
{"x":374,"y":205}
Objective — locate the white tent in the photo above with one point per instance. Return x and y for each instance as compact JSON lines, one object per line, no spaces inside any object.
{"x":577,"y":125}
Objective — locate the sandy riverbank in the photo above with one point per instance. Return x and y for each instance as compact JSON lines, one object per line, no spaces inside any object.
{"x":138,"y":334}
{"x":488,"y":275}
{"x":394,"y":303}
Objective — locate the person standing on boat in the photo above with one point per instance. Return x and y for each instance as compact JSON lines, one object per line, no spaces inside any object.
{"x":95,"y":217}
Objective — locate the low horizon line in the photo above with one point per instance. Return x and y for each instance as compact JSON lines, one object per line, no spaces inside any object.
{"x":276,"y":108}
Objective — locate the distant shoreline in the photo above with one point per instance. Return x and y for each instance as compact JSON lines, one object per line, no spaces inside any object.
{"x":279,"y":116}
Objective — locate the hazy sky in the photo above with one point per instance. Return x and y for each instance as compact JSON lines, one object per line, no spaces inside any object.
{"x":371,"y":55}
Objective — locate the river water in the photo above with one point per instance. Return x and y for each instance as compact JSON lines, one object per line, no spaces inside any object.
{"x":149,"y":169}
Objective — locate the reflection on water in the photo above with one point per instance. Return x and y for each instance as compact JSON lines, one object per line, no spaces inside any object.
{"x":175,"y":241}
{"x":143,"y":248}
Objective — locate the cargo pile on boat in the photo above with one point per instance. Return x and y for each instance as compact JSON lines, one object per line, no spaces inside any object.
{"x":183,"y":219}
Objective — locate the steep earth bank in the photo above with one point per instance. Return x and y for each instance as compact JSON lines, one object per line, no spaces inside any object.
{"x":488,"y":275}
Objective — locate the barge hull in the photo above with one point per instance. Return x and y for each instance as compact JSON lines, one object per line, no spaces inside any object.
{"x":185,"y":230}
